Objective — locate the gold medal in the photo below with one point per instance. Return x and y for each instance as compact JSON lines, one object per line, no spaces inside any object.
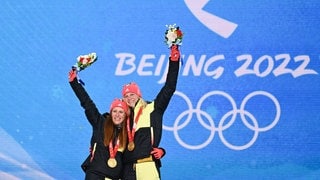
{"x":112,"y":162}
{"x":131,"y":146}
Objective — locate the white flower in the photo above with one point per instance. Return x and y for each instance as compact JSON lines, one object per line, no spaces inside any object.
{"x":172,"y":36}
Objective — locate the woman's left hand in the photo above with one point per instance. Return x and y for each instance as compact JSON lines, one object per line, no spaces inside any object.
{"x":157,"y":153}
{"x":72,"y":74}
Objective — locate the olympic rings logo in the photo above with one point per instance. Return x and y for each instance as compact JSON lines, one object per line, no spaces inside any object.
{"x":223,"y":123}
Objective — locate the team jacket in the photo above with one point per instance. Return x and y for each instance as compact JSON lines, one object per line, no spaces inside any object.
{"x":151,"y":118}
{"x":97,"y":160}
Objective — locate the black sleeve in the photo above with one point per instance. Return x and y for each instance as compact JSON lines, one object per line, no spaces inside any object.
{"x":88,"y":105}
{"x":164,"y":96}
{"x":162,"y":100}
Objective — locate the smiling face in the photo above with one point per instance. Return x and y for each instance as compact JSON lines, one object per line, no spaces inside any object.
{"x":118,"y":115}
{"x":131,"y":99}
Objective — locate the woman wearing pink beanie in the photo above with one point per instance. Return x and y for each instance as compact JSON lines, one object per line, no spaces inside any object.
{"x":109,"y":135}
{"x":142,"y":155}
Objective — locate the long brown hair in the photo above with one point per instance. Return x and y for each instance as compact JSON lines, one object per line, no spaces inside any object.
{"x":109,"y":128}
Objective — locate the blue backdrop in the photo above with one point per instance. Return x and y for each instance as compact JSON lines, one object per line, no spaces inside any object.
{"x":247,"y":99}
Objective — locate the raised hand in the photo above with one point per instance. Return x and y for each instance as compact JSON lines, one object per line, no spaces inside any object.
{"x":72,"y":74}
{"x":175,"y":53}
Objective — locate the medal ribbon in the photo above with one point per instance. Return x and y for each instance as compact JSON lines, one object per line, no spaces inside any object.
{"x":113,"y":151}
{"x":152,"y":138}
{"x":131,"y":133}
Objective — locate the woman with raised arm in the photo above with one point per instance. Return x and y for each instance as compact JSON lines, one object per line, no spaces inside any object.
{"x":109,"y":134}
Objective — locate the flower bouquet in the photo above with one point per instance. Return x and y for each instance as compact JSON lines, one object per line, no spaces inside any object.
{"x":84,"y":61}
{"x":173,"y":35}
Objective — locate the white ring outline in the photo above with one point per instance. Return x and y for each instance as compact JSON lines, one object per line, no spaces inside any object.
{"x":211,"y":93}
{"x":220,"y":127}
{"x":181,"y":142}
{"x":189,"y":103}
{"x":234,"y":147}
{"x":276,"y":103}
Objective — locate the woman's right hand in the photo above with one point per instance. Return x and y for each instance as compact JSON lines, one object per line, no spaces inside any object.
{"x":174,"y":53}
{"x":72,"y":74}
